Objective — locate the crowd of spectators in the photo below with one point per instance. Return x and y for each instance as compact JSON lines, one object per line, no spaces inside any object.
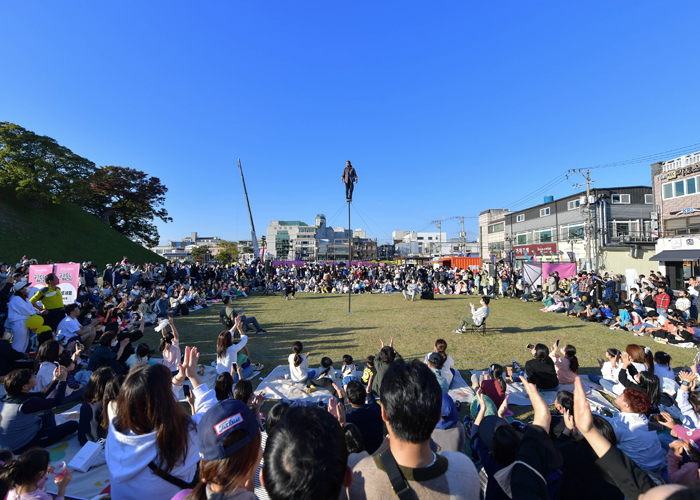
{"x":390,"y":429}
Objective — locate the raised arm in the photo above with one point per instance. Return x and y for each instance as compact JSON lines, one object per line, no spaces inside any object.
{"x":171,"y":320}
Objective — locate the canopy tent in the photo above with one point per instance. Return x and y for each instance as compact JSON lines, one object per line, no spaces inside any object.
{"x":677,"y":255}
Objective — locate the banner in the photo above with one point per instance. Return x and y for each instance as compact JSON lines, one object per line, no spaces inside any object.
{"x":522,"y":252}
{"x":565,"y":270}
{"x":69,"y":281}
{"x":37,"y":275}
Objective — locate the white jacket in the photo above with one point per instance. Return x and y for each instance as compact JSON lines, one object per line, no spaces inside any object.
{"x":223,"y":365}
{"x":129,"y":454}
{"x":480,"y":315}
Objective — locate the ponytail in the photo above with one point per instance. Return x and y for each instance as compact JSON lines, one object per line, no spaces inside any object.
{"x":649,"y":360}
{"x":570,"y":353}
{"x":327,"y":363}
{"x":441,"y":347}
{"x":297,"y":348}
{"x":497,"y":374}
{"x":26,"y":468}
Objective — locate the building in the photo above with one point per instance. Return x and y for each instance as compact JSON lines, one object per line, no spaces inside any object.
{"x":676,"y":186}
{"x":412,"y":243}
{"x":386,"y":252}
{"x":619,"y":236}
{"x":492,"y":231}
{"x":182,"y":249}
{"x":296,"y":240}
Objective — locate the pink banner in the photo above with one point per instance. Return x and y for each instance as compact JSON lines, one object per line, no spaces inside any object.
{"x":37,"y":274}
{"x":69,"y":276}
{"x":564,"y":270}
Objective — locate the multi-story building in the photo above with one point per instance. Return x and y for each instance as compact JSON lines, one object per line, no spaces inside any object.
{"x":613,"y":226}
{"x":296,"y":240}
{"x":492,"y":231}
{"x":676,"y":185}
{"x":181,"y":250}
{"x":420,"y":243}
{"x":386,"y":252}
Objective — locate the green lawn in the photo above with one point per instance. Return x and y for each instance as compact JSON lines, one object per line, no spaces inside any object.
{"x":321,"y":323}
{"x":62,"y":233}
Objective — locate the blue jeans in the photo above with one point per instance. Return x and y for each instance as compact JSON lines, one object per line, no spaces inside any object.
{"x":598,"y":379}
{"x":310,"y":374}
{"x":247,"y":372}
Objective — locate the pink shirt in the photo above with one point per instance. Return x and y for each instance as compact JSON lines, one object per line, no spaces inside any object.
{"x":564,"y":373}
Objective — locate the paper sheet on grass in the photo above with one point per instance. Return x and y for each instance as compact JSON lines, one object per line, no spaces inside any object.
{"x":275,"y":386}
{"x":460,"y":390}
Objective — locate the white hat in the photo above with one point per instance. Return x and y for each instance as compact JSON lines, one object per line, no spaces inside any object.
{"x":19,"y":285}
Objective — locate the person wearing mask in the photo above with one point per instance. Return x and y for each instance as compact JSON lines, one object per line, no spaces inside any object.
{"x":19,"y":310}
{"x":72,"y":331}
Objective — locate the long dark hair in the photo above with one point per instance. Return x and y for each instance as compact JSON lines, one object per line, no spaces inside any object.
{"x":326,"y":363}
{"x":95,"y":388}
{"x":297,"y":347}
{"x":651,"y":386}
{"x":570,"y":353}
{"x":223,"y":387}
{"x":243,"y":390}
{"x":541,"y":353}
{"x":640,"y":355}
{"x":48,"y":351}
{"x":497,"y":374}
{"x":224,"y":341}
{"x":146,"y":404}
{"x":441,"y":347}
{"x":230,"y":472}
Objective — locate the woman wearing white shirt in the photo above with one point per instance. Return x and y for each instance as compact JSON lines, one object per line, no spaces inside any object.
{"x":227,"y":351}
{"x":609,"y":369}
{"x":448,"y":368}
{"x":299,"y":365}
{"x":18,"y":311}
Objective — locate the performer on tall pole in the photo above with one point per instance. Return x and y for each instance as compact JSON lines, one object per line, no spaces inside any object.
{"x":349,"y":177}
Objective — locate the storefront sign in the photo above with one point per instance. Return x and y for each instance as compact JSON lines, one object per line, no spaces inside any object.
{"x":536,"y":249}
{"x":689,"y":210}
{"x":680,"y":172}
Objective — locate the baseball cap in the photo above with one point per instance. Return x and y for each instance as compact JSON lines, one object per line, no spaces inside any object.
{"x":436,"y":360}
{"x":221,"y":420}
{"x":19,"y":285}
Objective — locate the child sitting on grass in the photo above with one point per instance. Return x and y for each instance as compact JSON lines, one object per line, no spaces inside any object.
{"x":348,"y":371}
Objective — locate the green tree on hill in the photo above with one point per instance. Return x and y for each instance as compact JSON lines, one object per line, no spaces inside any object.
{"x":126,"y":199}
{"x":36,"y":167}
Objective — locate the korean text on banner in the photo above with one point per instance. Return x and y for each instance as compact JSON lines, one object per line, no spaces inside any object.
{"x":37,"y":275}
{"x":69,"y":277}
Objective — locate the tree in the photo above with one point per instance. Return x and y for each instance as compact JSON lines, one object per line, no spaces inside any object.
{"x":36,"y":167}
{"x":199,"y":252}
{"x":126,"y":199}
{"x":228,"y":252}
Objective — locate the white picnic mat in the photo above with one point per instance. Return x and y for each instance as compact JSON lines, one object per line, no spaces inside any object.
{"x":460,"y":390}
{"x":275,"y":386}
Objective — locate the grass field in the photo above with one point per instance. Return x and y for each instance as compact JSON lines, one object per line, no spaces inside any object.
{"x":321,"y":323}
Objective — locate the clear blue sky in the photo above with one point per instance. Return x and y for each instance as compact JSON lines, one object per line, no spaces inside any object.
{"x":444,"y":109}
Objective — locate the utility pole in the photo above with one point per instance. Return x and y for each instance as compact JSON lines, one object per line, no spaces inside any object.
{"x":462,"y":235}
{"x":438,"y":224}
{"x":588,"y":230}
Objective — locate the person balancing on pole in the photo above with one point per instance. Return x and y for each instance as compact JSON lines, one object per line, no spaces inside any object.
{"x":349,"y":178}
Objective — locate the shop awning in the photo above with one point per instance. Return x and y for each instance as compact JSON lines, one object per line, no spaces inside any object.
{"x":677,"y":255}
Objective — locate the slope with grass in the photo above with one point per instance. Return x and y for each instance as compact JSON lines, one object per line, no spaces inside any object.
{"x":62,"y":233}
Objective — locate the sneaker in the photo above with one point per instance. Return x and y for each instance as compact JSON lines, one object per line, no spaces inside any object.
{"x":294,"y":297}
{"x":516,"y":366}
{"x":457,"y":331}
{"x":310,"y":389}
{"x":261,"y":332}
{"x":258,"y":367}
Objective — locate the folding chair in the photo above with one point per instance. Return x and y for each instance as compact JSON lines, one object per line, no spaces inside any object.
{"x":481,"y":328}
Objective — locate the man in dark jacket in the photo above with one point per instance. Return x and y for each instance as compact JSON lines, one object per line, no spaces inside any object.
{"x":349,"y":177}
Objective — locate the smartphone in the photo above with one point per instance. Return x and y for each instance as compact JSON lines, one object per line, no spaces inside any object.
{"x":557,"y":343}
{"x":234,"y":366}
{"x":186,"y":388}
{"x":529,"y":346}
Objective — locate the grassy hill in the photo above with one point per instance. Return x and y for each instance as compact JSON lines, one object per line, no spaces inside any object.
{"x":62,"y":233}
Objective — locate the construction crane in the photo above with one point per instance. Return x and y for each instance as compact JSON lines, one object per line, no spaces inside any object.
{"x":256,"y":251}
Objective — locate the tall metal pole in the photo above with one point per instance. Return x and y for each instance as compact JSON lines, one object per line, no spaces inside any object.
{"x":588,"y":220}
{"x":256,"y":251}
{"x":349,"y":258}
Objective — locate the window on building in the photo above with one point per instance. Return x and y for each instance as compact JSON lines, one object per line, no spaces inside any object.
{"x":574,"y":232}
{"x":495,"y":228}
{"x":690,"y":186}
{"x":648,"y":199}
{"x":545,"y":236}
{"x":620,"y":199}
{"x":679,"y":188}
{"x":430,"y":237}
{"x":522,"y":239}
{"x":573,"y":204}
{"x":496,"y":246}
{"x":668,"y":190}
{"x":520,"y":218}
{"x":420,"y":238}
{"x":544,"y":212}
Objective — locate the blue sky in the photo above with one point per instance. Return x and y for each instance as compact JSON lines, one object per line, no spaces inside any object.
{"x":445,"y":109}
